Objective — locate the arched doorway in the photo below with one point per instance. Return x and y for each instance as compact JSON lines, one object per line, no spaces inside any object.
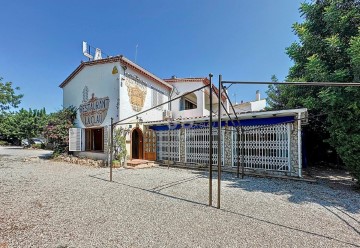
{"x":136,"y":144}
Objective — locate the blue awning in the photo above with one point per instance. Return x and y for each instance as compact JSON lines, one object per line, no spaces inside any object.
{"x":249,"y":122}
{"x":262,"y":121}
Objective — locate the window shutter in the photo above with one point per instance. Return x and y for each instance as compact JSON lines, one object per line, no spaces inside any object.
{"x":75,"y":139}
{"x":182,"y":103}
{"x":154,"y":98}
{"x":160,"y":99}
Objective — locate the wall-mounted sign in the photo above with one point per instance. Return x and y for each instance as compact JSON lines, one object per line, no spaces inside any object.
{"x":136,"y":91}
{"x":93,"y":111}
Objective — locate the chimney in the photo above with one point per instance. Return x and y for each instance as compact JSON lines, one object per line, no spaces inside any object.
{"x":258,"y":95}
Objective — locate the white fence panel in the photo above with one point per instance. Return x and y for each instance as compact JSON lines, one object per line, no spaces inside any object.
{"x":197,"y":145}
{"x":168,"y":145}
{"x":266,"y":147}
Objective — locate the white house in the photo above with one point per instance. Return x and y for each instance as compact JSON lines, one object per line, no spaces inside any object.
{"x":111,"y":88}
{"x":118,"y":89}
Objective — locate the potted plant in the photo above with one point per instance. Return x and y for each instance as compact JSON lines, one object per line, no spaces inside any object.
{"x":116,"y":164}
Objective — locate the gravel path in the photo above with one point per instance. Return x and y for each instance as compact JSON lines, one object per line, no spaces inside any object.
{"x":53,"y":204}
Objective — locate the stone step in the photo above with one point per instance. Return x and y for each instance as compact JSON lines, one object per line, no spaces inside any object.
{"x":139,"y":163}
{"x":136,"y":162}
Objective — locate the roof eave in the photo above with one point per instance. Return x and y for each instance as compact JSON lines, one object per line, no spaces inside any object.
{"x":119,"y":58}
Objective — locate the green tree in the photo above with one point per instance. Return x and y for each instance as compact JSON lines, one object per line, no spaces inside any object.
{"x":24,"y":124}
{"x":328,"y":50}
{"x":57,"y":129}
{"x":8,"y":96}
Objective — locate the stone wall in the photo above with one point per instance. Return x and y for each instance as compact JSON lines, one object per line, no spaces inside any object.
{"x":294,"y":161}
{"x":228,"y":147}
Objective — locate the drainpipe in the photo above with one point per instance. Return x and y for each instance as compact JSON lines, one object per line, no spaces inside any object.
{"x":170,"y":95}
{"x":299,"y":144}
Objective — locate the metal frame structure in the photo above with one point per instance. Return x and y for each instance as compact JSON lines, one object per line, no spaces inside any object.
{"x":240,"y":130}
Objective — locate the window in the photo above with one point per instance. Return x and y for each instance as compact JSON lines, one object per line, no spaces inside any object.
{"x":157,"y":98}
{"x":189,"y":105}
{"x":188,"y":102}
{"x":94,"y":139}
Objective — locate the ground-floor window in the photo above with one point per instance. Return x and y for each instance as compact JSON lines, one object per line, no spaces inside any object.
{"x":94,"y":139}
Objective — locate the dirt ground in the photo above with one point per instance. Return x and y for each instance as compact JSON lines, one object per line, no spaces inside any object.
{"x":336,"y":178}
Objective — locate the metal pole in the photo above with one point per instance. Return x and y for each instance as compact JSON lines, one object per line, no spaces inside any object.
{"x":211,"y":143}
{"x":242,"y":152}
{"x":297,"y":83}
{"x":219,"y":142}
{"x":238,"y":138}
{"x":111,"y":147}
{"x":168,"y":148}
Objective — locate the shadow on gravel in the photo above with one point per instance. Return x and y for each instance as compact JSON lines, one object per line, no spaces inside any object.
{"x":157,"y":189}
{"x":291,"y":228}
{"x":336,"y":201}
{"x":296,"y":191}
{"x":250,"y":184}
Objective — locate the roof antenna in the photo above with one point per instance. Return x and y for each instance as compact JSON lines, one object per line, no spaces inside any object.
{"x":136,"y":48}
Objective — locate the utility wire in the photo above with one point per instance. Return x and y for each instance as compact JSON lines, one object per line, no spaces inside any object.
{"x":297,"y":83}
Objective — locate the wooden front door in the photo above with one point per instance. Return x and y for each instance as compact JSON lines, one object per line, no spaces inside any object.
{"x":150,"y":145}
{"x":136,"y":144}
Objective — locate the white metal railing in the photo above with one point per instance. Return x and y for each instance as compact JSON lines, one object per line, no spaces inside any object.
{"x":197,"y":146}
{"x":168,"y":145}
{"x":266,"y":148}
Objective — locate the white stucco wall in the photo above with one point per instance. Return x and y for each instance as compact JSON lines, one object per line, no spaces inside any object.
{"x":183,"y":88}
{"x":258,"y":105}
{"x":101,"y":82}
{"x":126,"y":109}
{"x":241,"y":107}
{"x":250,"y":106}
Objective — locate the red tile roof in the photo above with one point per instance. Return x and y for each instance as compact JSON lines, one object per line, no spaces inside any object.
{"x":122,"y":60}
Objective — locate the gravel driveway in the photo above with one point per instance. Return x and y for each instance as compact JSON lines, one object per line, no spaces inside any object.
{"x":54,"y":204}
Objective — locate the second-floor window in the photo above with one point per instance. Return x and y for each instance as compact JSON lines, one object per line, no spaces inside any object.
{"x":188,"y":102}
{"x":190,"y":105}
{"x":157,"y":98}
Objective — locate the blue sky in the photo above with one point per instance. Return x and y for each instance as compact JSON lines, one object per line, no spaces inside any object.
{"x":41,"y":40}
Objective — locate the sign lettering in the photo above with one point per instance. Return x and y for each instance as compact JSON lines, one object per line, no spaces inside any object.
{"x":94,"y":111}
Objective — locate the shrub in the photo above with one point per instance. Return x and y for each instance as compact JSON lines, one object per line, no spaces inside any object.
{"x":57,"y":129}
{"x":4,"y":143}
{"x":38,"y":146}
